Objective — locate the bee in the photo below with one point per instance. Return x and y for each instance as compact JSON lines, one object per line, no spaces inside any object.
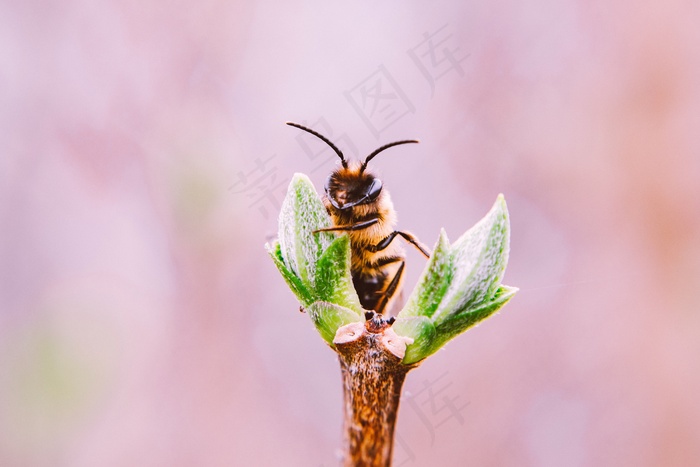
{"x":359,"y":204}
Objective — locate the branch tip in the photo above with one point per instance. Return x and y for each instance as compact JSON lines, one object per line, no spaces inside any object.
{"x":348,"y":333}
{"x":395,"y":344}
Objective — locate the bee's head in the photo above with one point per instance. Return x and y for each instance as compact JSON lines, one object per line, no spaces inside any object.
{"x":348,"y":187}
{"x":351,"y":186}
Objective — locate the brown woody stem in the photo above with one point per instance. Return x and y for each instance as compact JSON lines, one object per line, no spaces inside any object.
{"x":370,"y":357}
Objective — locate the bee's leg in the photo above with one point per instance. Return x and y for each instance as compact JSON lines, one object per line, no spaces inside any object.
{"x":407,"y":236}
{"x":369,"y":285}
{"x":390,"y":289}
{"x":358,"y":226}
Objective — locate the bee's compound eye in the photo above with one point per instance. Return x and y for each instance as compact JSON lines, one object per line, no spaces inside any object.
{"x":329,"y":180}
{"x":374,"y":189}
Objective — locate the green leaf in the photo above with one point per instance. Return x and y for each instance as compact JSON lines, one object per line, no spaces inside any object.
{"x":333,"y":277}
{"x":302,"y":213}
{"x":316,"y":266}
{"x":422,"y":331}
{"x":460,"y":285}
{"x":329,"y":317}
{"x":433,"y":283}
{"x":303,"y":294}
{"x":479,"y":259}
{"x":460,"y":322}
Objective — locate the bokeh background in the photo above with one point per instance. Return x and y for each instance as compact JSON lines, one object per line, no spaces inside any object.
{"x":143,"y":157}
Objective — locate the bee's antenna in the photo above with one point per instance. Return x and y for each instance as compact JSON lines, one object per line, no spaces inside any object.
{"x":324,"y":139}
{"x":386,"y":146}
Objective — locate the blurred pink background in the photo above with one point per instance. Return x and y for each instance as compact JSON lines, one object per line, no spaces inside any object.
{"x":143,"y":158}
